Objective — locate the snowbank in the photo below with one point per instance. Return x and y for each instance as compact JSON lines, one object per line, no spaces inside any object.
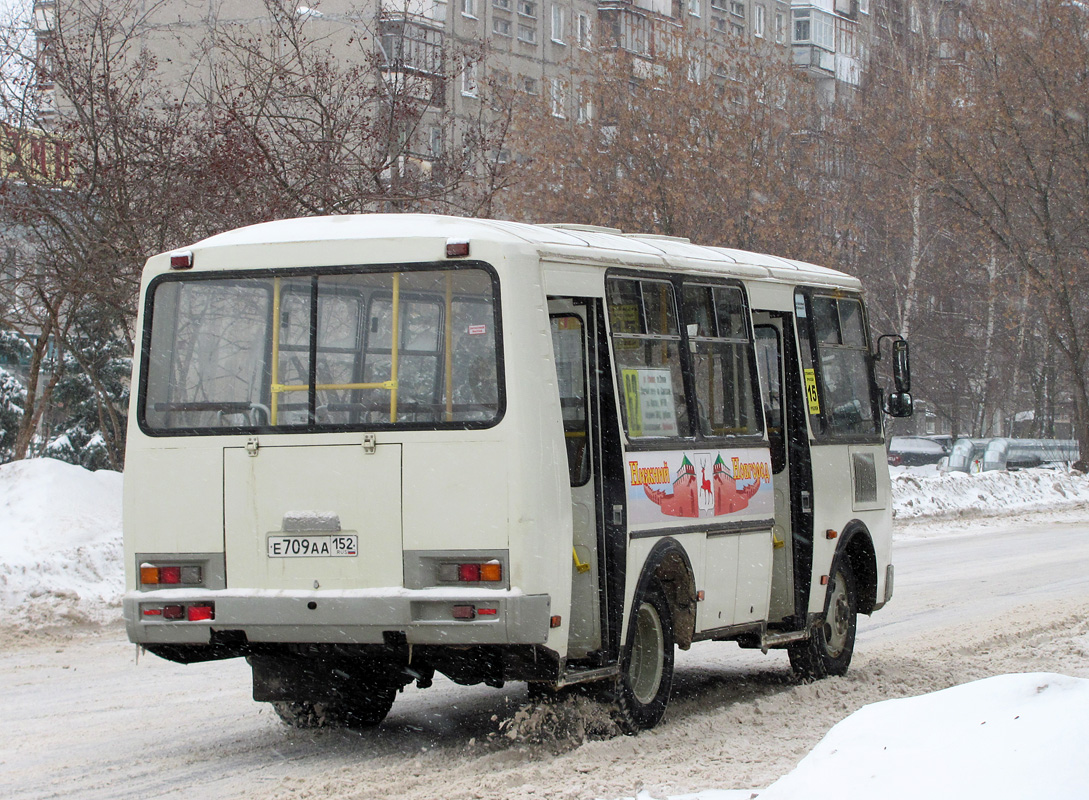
{"x":1003,"y":738}
{"x":1011,"y":736}
{"x":60,"y":543}
{"x":925,"y":492}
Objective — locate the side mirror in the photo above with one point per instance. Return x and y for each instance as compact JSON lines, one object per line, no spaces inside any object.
{"x":899,"y":404}
{"x":901,"y":369}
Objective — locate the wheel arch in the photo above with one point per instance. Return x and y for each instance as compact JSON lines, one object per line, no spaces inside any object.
{"x":669,"y":563}
{"x":856,"y":546}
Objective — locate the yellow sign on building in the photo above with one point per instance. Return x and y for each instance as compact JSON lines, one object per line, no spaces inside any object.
{"x":29,"y":155}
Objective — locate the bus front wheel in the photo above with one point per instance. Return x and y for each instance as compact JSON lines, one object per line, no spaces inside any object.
{"x":646,"y":678}
{"x":831,"y":644}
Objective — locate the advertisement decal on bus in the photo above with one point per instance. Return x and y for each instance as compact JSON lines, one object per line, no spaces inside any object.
{"x":704,"y":484}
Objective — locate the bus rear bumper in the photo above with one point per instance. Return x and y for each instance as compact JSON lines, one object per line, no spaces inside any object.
{"x":181,"y":616}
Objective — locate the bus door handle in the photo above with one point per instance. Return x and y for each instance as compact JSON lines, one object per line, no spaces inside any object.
{"x":618,"y":515}
{"x":807,"y":503}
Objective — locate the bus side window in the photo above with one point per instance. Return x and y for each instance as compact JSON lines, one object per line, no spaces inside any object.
{"x":846,"y":394}
{"x":721,"y":352}
{"x":569,"y":347}
{"x":769,"y":356}
{"x":646,"y":343}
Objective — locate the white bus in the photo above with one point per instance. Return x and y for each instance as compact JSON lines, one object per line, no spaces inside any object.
{"x":365,"y":449}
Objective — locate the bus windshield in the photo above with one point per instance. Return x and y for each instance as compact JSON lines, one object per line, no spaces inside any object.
{"x":317,"y":351}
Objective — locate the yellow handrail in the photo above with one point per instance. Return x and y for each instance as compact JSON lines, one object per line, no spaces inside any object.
{"x":322,"y":387}
{"x":449,"y":344}
{"x":274,"y":404}
{"x":278,"y":388}
{"x":396,"y":346}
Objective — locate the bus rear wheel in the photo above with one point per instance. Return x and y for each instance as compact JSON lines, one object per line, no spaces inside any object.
{"x":646,"y":678}
{"x":363,"y":710}
{"x":831,"y":644}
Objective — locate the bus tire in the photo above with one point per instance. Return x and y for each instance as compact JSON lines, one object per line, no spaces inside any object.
{"x":364,"y":710}
{"x":646,"y":676}
{"x":831,"y":644}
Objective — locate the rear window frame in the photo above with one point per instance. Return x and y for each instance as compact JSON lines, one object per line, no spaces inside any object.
{"x":308,"y":272}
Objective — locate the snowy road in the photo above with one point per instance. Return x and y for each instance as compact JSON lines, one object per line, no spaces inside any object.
{"x":83,"y":719}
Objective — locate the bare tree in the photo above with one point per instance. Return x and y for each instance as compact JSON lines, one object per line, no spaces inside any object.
{"x":1014,"y":145}
{"x":700,"y":143}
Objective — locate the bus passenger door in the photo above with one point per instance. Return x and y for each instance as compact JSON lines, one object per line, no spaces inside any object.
{"x":781,"y":394}
{"x":572,"y":329}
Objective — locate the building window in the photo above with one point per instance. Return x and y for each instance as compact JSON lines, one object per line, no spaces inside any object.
{"x":527,"y":8}
{"x":780,"y":27}
{"x":812,"y":26}
{"x":559,"y":97}
{"x":737,"y":9}
{"x":557,"y":24}
{"x":586,"y":109}
{"x":503,"y":4}
{"x":694,"y":7}
{"x":435,"y":141}
{"x":501,"y":26}
{"x":695,"y":68}
{"x":527,"y":33}
{"x":864,"y":6}
{"x":635,"y":34}
{"x":468,"y":8}
{"x":529,"y":85}
{"x":584,"y":30}
{"x":758,"y":21}
{"x":802,"y":33}
{"x":468,"y":80}
{"x":824,"y":31}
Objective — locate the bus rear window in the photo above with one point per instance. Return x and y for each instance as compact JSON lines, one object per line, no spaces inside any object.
{"x":323,"y":351}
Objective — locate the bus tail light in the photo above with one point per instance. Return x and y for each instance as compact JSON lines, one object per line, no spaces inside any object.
{"x":178,"y":612}
{"x":469,"y":572}
{"x":473,"y":572}
{"x":171,"y":575}
{"x":464,"y":612}
{"x":200,"y":613}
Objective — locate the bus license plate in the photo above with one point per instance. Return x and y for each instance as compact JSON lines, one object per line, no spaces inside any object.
{"x":342,"y":544}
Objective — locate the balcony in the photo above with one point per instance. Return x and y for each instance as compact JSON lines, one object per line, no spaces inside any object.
{"x":815,"y":60}
{"x":410,"y":45}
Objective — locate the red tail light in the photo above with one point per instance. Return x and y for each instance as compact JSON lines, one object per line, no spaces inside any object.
{"x":468,"y":572}
{"x":198,"y":613}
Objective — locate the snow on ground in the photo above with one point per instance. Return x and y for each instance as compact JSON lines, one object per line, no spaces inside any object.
{"x":1010,"y":736}
{"x":60,"y":543}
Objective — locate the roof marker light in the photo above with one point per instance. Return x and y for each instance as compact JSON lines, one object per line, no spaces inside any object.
{"x":457,"y":248}
{"x":181,"y":260}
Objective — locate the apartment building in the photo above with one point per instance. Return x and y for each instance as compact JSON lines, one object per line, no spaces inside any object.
{"x":532,"y":47}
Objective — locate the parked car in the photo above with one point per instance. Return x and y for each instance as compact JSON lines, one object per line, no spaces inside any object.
{"x":914,"y":451}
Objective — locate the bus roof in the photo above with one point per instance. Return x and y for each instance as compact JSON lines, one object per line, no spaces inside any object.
{"x":583,"y":243}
